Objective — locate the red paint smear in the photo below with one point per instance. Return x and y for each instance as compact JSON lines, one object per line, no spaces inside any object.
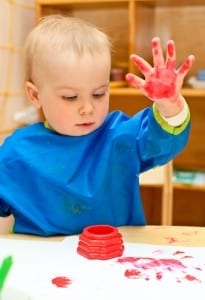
{"x":165,"y":262}
{"x":132,"y":273}
{"x":127,"y":259}
{"x":178,"y":252}
{"x":159,"y":275}
{"x":158,"y":266}
{"x":135,"y":274}
{"x":150,"y":263}
{"x":182,"y":252}
{"x":191,"y":278}
{"x":190,"y":233}
{"x":171,"y":240}
{"x":61,"y":281}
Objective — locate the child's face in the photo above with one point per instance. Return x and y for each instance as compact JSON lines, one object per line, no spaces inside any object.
{"x":73,"y":92}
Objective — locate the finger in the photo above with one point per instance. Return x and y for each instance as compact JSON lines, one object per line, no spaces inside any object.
{"x":171,"y":55}
{"x":135,"y":81}
{"x":158,"y":58}
{"x":186,"y":66}
{"x":143,"y":66}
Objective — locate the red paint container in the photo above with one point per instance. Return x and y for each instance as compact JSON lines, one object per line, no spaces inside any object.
{"x":100,"y":242}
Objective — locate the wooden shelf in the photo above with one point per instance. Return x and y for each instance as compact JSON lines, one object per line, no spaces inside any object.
{"x":179,"y":186}
{"x":144,"y":2}
{"x":171,"y":2}
{"x":128,"y":91}
{"x":195,"y":187}
{"x":59,"y":2}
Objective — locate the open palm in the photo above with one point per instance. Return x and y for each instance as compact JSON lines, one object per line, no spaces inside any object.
{"x":163,"y":80}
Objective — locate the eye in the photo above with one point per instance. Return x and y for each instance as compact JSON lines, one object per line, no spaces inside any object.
{"x":70,"y":98}
{"x":99,"y":95}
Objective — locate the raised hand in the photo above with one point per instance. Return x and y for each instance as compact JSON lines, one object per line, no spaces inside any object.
{"x":162,"y":81}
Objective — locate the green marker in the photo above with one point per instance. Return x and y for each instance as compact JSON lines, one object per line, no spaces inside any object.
{"x":4,"y":270}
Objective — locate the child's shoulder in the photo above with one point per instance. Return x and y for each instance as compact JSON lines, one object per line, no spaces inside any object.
{"x":23,"y":133}
{"x":29,"y":129}
{"x":22,"y":141}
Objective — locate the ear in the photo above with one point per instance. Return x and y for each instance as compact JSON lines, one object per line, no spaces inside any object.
{"x":32,"y":94}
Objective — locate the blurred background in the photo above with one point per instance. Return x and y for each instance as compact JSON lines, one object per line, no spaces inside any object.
{"x":17,"y":17}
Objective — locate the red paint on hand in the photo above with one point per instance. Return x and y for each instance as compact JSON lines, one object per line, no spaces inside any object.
{"x":186,"y":65}
{"x":162,"y":82}
{"x":61,"y":281}
{"x":170,"y":48}
{"x":155,"y":43}
{"x":142,"y":65}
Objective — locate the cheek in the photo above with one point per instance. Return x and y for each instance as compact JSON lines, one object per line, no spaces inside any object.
{"x":103,"y":110}
{"x":107,"y":103}
{"x":57,"y":111}
{"x":64,"y":113}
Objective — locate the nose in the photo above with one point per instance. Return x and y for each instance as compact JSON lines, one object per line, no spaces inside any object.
{"x":86,"y":107}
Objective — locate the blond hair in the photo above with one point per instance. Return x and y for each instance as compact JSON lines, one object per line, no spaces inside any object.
{"x":59,"y":34}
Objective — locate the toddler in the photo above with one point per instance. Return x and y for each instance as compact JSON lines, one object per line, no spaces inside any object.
{"x":81,"y":165}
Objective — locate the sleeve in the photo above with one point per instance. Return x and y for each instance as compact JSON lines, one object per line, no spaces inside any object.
{"x":5,"y":186}
{"x":159,"y":142}
{"x":174,"y":125}
{"x":180,"y":118}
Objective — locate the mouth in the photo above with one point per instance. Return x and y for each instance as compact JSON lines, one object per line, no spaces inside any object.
{"x":88,"y":124}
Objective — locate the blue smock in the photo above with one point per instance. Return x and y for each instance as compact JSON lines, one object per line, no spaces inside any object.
{"x":56,"y":184}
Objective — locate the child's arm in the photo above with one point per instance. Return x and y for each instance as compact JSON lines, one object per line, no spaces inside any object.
{"x":6,"y":224}
{"x":162,"y":83}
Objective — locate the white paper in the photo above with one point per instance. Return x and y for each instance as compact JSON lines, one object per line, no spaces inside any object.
{"x":161,"y":272}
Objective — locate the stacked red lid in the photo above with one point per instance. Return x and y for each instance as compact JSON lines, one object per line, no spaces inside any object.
{"x":100,"y":242}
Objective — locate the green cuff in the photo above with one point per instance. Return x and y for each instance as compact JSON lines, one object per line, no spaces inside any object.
{"x":171,"y":129}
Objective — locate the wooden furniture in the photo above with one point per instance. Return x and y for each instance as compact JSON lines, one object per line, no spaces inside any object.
{"x":131,"y":25}
{"x":160,"y":235}
{"x":166,"y":235}
{"x":161,"y":177}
